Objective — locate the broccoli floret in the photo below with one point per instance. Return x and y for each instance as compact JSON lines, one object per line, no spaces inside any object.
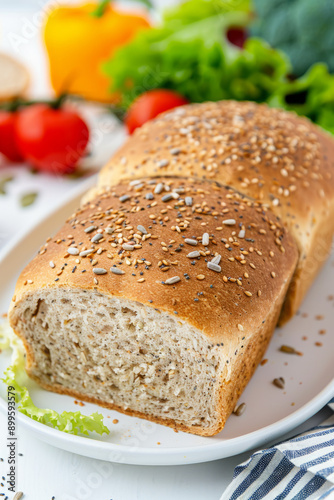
{"x":304,"y":29}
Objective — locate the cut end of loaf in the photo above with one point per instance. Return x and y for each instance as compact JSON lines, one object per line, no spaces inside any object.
{"x":109,"y":351}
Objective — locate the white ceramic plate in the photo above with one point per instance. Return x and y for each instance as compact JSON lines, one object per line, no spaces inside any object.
{"x":270,"y":412}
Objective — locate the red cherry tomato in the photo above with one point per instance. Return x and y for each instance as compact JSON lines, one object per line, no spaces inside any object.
{"x":8,"y":144}
{"x":151,"y":104}
{"x":237,"y":36}
{"x":52,"y":140}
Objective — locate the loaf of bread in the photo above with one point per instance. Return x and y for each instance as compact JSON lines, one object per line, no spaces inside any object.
{"x":159,"y":297}
{"x":14,"y":79}
{"x":271,"y":155}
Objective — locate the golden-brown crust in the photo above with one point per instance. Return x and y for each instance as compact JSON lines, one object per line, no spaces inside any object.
{"x":258,"y":256}
{"x":268,"y":154}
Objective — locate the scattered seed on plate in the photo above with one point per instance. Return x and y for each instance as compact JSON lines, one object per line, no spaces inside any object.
{"x":28,"y":199}
{"x":52,"y":264}
{"x":125,"y":197}
{"x":289,"y":350}
{"x":279,"y":382}
{"x":240,"y":409}
{"x":189,"y":201}
{"x":242,"y":233}
{"x":3,"y":183}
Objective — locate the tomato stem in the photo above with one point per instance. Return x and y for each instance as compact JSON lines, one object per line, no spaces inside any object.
{"x":102,"y":6}
{"x":100,"y":9}
{"x":16,"y":104}
{"x":58,"y":102}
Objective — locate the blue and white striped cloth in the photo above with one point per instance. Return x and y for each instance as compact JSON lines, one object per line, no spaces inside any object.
{"x":299,"y":469}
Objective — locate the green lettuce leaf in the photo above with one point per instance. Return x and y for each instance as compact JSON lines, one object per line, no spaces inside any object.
{"x":192,"y":11}
{"x":196,"y":60}
{"x":15,"y":376}
{"x":189,"y":53}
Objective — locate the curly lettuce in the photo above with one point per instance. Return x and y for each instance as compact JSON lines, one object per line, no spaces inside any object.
{"x":189,"y":53}
{"x":312,"y":95}
{"x":15,"y":376}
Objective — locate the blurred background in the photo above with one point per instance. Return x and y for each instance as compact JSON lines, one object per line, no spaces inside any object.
{"x":76,"y":78}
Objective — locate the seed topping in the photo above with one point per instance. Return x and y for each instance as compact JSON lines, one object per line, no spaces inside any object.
{"x":115,"y":270}
{"x":90,"y":229}
{"x":191,"y":241}
{"x":99,"y":270}
{"x":171,"y":281}
{"x":96,"y":238}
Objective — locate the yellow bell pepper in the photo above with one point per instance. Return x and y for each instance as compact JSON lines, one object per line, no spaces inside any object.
{"x":79,"y":39}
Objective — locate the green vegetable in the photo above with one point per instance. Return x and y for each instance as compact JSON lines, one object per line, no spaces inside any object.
{"x":15,"y":375}
{"x":192,"y":11}
{"x":311,"y":95}
{"x":189,"y":53}
{"x":303,"y":29}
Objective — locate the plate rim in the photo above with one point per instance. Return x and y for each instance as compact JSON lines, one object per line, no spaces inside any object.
{"x":160,"y":456}
{"x":254,"y":438}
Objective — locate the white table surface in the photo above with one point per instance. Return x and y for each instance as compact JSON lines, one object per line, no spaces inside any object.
{"x":44,"y":471}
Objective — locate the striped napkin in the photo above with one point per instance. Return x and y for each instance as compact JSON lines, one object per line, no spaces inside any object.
{"x":299,"y":469}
